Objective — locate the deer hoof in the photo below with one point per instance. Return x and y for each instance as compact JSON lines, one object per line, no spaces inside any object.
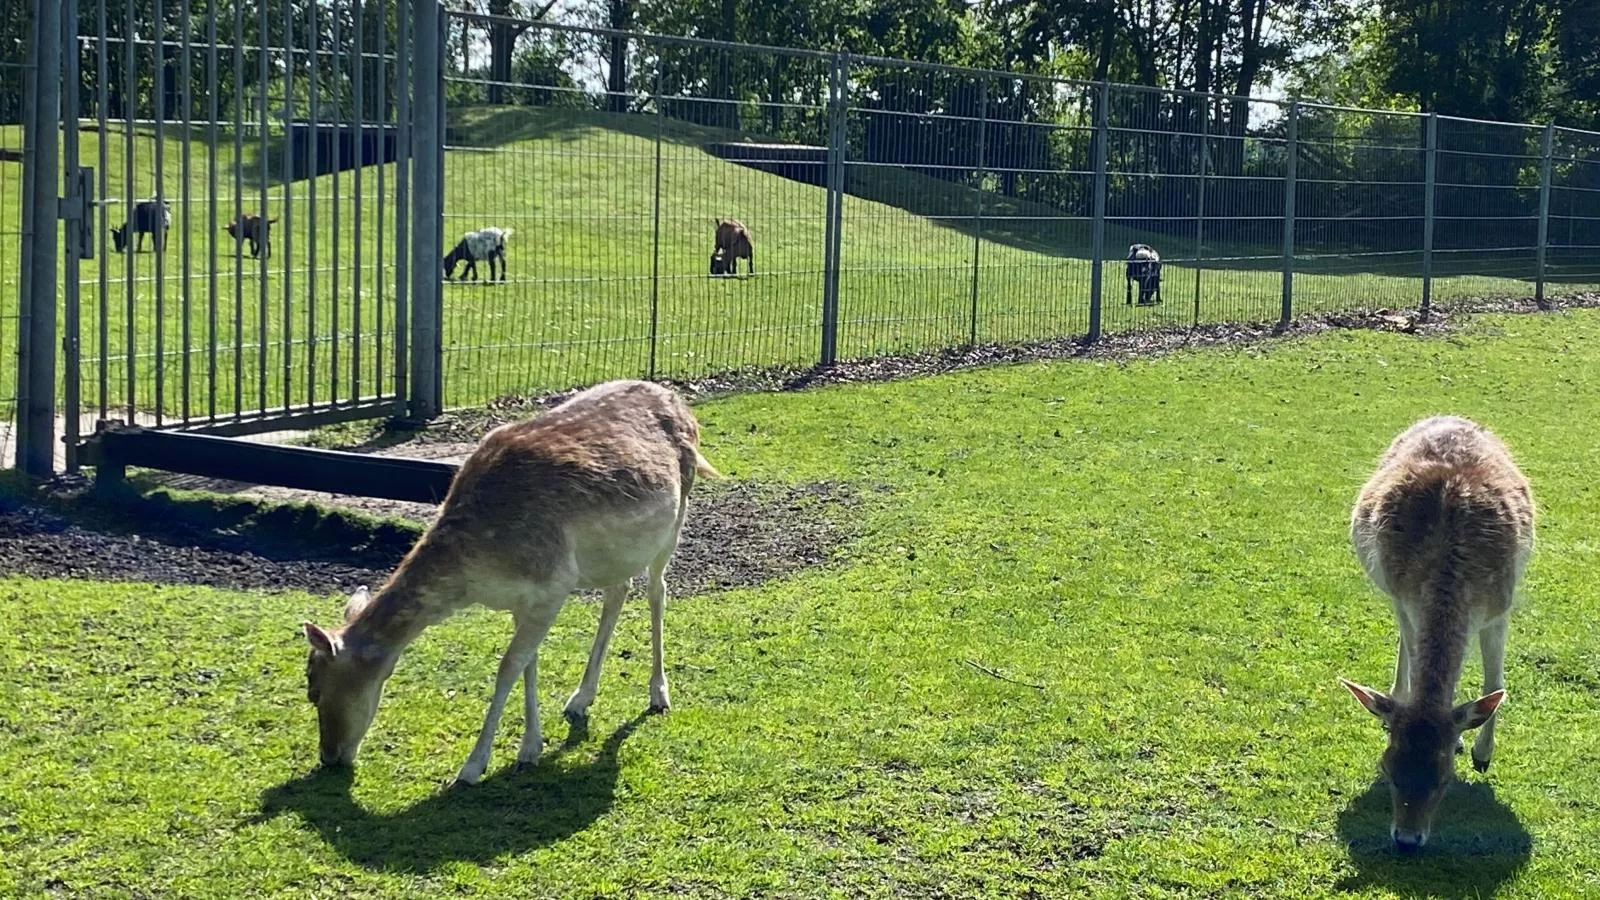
{"x":1482,"y":765}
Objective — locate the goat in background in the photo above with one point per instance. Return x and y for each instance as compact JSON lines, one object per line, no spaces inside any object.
{"x":1144,"y":267}
{"x":152,"y":217}
{"x":483,"y":244}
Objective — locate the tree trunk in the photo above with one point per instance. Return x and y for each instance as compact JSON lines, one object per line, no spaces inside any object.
{"x":502,"y":38}
{"x":729,"y":118}
{"x":619,"y":18}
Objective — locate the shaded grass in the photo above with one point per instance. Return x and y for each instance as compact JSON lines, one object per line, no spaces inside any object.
{"x":1160,"y":544}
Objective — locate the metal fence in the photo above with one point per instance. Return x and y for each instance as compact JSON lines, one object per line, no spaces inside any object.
{"x":904,"y":207}
{"x":894,"y":207}
{"x":17,"y":65}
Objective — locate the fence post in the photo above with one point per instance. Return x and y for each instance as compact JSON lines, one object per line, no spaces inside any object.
{"x":37,"y":328}
{"x":977,"y":216}
{"x":1200,"y":207}
{"x":838,"y":72}
{"x":1429,"y":171}
{"x":427,"y":204}
{"x":1546,"y":148}
{"x":655,"y":236}
{"x":1097,"y":232}
{"x":1290,"y":171}
{"x":75,"y":212}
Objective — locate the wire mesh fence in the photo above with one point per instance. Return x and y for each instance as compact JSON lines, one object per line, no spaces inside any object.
{"x":680,"y":208}
{"x":902,"y":207}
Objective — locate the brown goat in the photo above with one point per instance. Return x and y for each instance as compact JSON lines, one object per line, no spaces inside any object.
{"x":733,"y":241}
{"x":251,"y":227}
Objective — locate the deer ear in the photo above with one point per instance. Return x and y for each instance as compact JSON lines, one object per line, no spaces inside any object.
{"x":320,"y":640}
{"x":358,"y":602}
{"x":1473,"y":713}
{"x":1377,"y":702}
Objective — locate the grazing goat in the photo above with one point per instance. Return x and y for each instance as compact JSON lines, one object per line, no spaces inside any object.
{"x":485,"y":243}
{"x":152,"y":217}
{"x":253,"y":228}
{"x":733,"y":241}
{"x":586,"y":495}
{"x":1144,"y":266}
{"x":1444,"y":527}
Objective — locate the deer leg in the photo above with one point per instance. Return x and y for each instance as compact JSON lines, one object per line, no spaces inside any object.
{"x":578,"y":705}
{"x":521,"y":659}
{"x":1127,"y":292}
{"x":1492,"y":640}
{"x":656,"y":590}
{"x":1401,"y":688}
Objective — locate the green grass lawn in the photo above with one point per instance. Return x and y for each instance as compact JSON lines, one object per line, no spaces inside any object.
{"x":1159,"y":546}
{"x":587,"y":288}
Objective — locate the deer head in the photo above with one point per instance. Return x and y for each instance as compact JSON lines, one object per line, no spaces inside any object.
{"x":1419,"y":762}
{"x":344,"y":680}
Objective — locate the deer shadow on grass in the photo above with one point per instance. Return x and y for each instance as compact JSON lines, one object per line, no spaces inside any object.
{"x":1478,"y":845}
{"x":510,"y":811}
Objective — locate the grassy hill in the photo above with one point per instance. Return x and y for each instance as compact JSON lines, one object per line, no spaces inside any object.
{"x":581,"y":304}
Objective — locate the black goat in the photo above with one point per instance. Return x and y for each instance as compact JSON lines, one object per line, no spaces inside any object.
{"x":152,"y":217}
{"x":1144,"y":266}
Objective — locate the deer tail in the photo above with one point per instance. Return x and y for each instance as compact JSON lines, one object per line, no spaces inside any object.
{"x":705,"y":469}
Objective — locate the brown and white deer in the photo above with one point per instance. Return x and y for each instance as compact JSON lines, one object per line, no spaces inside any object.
{"x":587,"y":495}
{"x":1444,"y":527}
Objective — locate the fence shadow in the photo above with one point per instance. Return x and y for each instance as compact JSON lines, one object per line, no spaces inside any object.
{"x":508,"y":812}
{"x":1477,"y":846}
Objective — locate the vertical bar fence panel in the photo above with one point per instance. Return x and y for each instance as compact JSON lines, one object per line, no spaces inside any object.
{"x":17,"y":165}
{"x":1359,"y":208}
{"x":1487,"y":191}
{"x":232,"y":263}
{"x":1572,"y":263}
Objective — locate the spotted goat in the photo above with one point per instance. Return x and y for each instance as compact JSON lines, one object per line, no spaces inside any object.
{"x":1144,"y":267}
{"x":484,"y":244}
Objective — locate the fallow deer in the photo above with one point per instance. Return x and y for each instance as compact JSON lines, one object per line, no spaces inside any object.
{"x":586,"y":495}
{"x":1444,"y":527}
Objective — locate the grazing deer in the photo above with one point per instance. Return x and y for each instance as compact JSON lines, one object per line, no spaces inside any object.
{"x":1444,"y":527}
{"x":586,"y":495}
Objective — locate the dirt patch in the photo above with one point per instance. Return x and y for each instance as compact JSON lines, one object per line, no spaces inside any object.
{"x":462,"y":428}
{"x":738,"y":534}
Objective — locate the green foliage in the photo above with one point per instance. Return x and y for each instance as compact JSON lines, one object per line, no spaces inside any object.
{"x":1159,"y":546}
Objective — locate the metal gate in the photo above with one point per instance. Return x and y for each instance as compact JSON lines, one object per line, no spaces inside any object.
{"x":239,"y":203}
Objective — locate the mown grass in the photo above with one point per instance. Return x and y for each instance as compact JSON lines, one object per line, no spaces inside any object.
{"x":1158,"y":546}
{"x":589,"y":298}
